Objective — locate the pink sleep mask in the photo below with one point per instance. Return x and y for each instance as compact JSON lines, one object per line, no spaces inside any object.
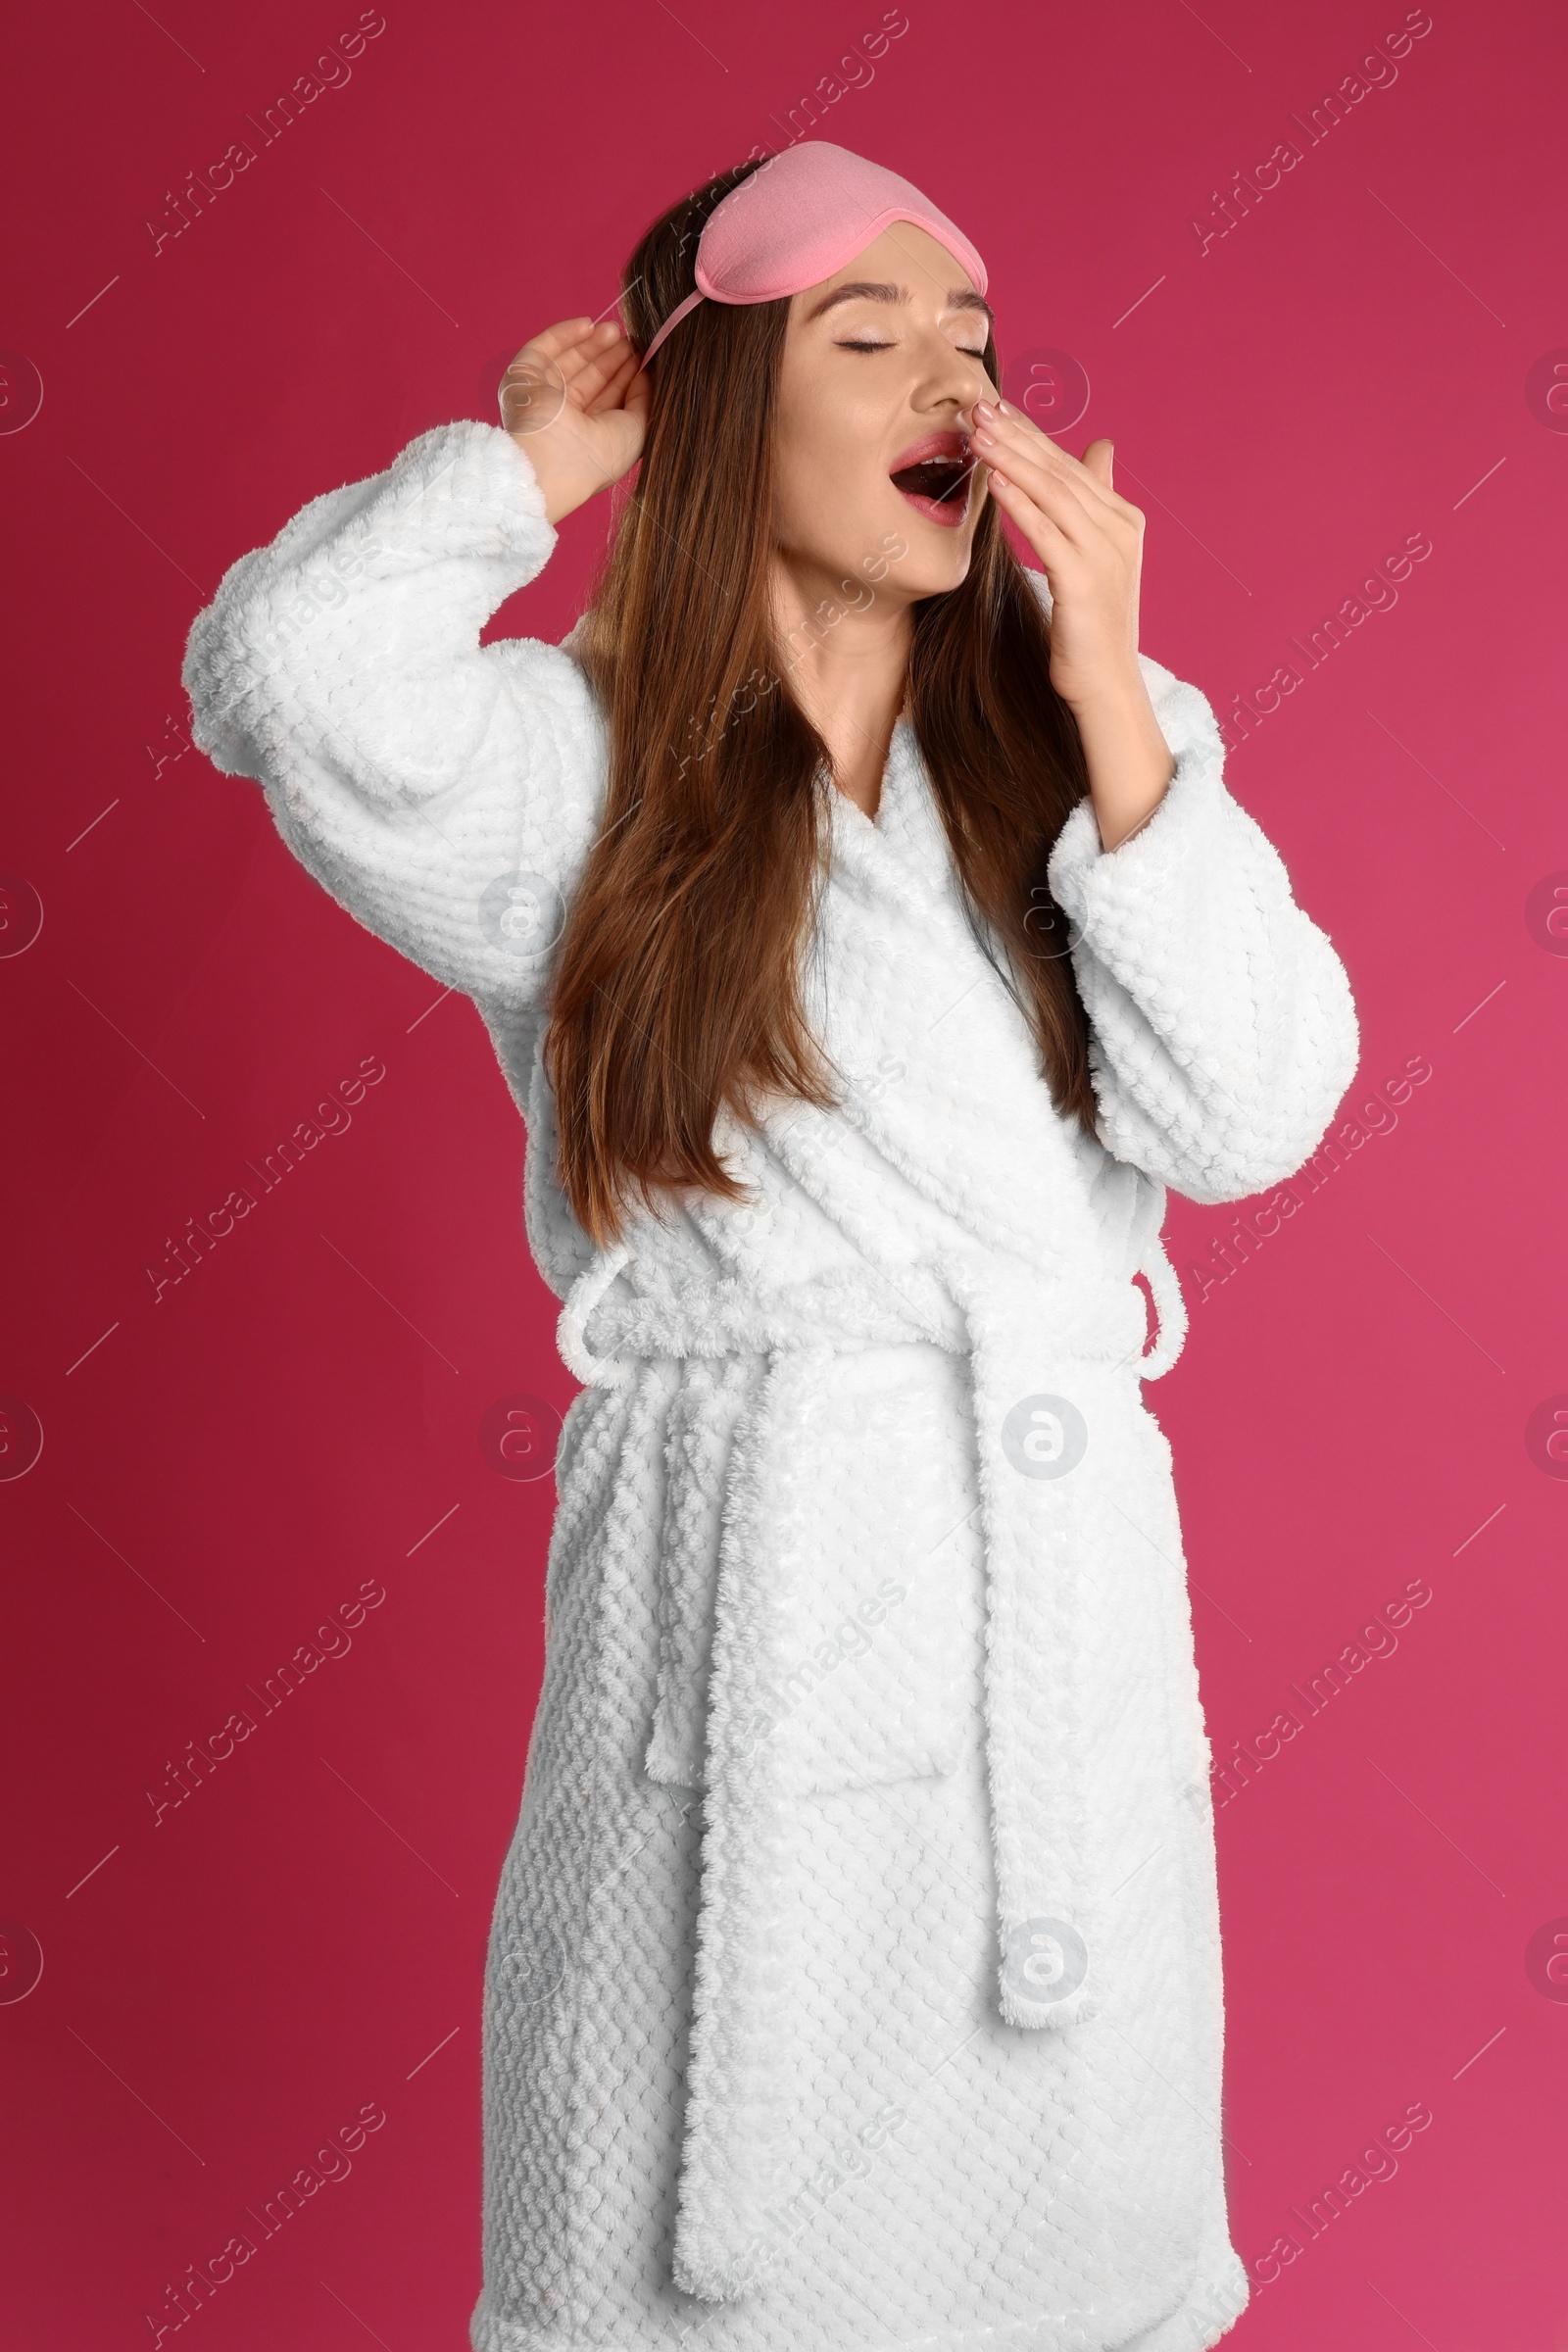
{"x":800,"y":217}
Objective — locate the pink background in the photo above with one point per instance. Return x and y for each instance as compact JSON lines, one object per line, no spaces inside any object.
{"x":1349,"y":367}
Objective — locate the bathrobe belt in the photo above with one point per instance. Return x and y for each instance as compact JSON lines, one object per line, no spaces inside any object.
{"x":1053,"y":1367}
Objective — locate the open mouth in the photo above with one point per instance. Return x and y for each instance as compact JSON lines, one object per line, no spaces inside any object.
{"x":935,"y":476}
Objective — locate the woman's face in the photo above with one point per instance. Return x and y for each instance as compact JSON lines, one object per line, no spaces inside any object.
{"x":872,"y":470}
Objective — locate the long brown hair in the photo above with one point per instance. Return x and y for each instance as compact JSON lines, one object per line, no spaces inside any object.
{"x":676,"y":985}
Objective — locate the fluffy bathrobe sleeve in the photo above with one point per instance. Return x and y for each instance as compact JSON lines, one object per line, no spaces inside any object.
{"x":445,"y":793}
{"x":1223,"y":1029}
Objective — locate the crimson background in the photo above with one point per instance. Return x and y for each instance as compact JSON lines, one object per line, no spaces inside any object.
{"x":1351,"y":364}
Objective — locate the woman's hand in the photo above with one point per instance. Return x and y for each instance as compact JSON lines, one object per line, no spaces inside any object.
{"x":574,"y":401}
{"x":1089,"y":540}
{"x":1091,"y":544}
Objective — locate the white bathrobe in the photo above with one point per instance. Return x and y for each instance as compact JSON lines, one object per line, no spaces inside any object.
{"x":855,"y":1978}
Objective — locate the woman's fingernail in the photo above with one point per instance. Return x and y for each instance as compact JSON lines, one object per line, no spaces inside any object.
{"x":982,"y":439}
{"x":984,"y":408}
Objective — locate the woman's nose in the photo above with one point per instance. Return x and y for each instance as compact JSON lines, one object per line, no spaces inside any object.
{"x":960,"y":376}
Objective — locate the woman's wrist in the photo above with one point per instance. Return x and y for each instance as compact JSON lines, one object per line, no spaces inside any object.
{"x":562,"y":484}
{"x":1128,"y":759}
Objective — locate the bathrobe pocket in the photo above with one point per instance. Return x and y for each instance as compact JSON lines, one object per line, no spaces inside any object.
{"x":871,"y":1674}
{"x":868,"y":1550}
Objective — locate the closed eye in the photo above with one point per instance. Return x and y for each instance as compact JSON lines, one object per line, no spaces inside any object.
{"x":970,"y":351}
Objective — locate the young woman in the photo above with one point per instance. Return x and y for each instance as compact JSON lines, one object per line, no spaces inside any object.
{"x":869,"y":939}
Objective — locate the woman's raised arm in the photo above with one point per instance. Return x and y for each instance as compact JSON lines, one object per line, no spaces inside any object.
{"x":445,"y":793}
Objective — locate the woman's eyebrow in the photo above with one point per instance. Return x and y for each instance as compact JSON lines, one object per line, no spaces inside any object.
{"x":864,"y":289}
{"x":963,"y":298}
{"x":966,"y":299}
